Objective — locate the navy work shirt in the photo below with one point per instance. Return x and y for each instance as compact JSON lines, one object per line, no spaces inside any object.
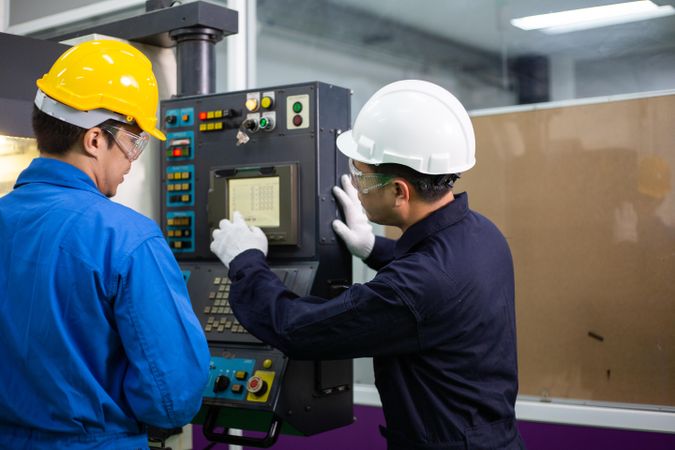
{"x":438,"y":318}
{"x":97,"y":335}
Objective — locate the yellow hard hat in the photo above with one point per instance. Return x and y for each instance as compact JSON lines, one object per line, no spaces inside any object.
{"x":105,"y":75}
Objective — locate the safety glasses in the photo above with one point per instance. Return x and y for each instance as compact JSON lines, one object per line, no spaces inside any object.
{"x":135,"y":144}
{"x":366,"y":182}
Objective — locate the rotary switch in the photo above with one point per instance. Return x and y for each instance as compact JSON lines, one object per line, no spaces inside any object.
{"x":221,"y":384}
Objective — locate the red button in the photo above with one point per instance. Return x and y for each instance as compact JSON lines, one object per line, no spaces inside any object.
{"x":256,"y":386}
{"x":177,"y":151}
{"x":297,"y":120}
{"x":202,"y":115}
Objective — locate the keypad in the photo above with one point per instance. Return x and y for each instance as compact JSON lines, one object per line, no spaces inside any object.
{"x":219,"y":316}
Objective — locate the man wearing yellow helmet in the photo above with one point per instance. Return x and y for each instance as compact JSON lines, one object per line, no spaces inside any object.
{"x":97,"y":332}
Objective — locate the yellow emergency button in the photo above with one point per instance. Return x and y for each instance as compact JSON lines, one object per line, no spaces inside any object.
{"x":267,"y":364}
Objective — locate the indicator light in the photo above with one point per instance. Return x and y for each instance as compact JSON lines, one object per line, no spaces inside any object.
{"x":297,"y":120}
{"x":266,"y":102}
{"x":202,"y":115}
{"x":264,"y":122}
{"x":297,"y":107}
{"x":177,"y":151}
{"x":252,"y":104}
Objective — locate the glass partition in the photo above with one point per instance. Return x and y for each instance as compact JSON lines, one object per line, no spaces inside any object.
{"x":582,"y":192}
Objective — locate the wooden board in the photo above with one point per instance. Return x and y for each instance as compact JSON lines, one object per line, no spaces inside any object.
{"x":584,"y":195}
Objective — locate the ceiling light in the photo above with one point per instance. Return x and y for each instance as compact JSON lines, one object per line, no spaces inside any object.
{"x":595,"y":17}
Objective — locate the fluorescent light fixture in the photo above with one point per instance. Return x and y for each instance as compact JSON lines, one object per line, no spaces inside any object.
{"x":595,"y":17}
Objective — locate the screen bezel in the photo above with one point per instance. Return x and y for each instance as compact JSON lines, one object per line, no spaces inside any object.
{"x":287,"y":233}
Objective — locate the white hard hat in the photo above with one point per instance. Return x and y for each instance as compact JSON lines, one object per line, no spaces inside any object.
{"x":414,"y":123}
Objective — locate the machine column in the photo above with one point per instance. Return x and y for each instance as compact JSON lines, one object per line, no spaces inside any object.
{"x":196,"y":58}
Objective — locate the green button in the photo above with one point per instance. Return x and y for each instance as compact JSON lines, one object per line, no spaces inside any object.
{"x":263,"y":123}
{"x":297,"y":107}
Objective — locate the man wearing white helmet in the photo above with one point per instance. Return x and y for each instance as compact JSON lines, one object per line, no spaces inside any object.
{"x":438,"y":318}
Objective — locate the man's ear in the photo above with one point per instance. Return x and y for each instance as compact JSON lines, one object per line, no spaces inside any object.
{"x":402,"y":191}
{"x":93,"y":142}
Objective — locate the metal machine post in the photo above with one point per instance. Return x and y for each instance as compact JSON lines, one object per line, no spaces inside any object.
{"x":195,"y":52}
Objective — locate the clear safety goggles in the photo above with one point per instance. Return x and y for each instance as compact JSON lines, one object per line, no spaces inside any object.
{"x":366,"y":182}
{"x":135,"y":145}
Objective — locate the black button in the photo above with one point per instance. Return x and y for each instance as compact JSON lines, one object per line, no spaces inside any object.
{"x":221,"y":384}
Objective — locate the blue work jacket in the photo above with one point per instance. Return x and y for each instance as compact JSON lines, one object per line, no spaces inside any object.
{"x":97,"y":334}
{"x":438,"y":318}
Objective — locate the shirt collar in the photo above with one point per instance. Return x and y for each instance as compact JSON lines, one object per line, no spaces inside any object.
{"x":53,"y":171}
{"x":443,"y":217}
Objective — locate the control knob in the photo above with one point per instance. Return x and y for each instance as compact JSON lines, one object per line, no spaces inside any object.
{"x":221,"y":384}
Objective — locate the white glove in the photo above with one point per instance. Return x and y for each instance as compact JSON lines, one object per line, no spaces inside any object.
{"x":357,"y":233}
{"x":233,"y":238}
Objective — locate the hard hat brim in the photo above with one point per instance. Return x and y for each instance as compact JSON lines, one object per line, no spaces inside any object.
{"x":151,"y":130}
{"x":347,"y":145}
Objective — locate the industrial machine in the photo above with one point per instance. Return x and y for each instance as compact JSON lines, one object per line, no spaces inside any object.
{"x":270,"y":154}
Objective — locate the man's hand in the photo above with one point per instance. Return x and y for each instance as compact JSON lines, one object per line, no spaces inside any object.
{"x":357,"y":233}
{"x":233,"y":238}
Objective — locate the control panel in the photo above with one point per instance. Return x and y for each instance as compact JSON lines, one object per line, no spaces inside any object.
{"x":269,"y":154}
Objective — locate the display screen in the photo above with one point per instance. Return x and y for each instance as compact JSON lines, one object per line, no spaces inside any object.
{"x":257,"y":199}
